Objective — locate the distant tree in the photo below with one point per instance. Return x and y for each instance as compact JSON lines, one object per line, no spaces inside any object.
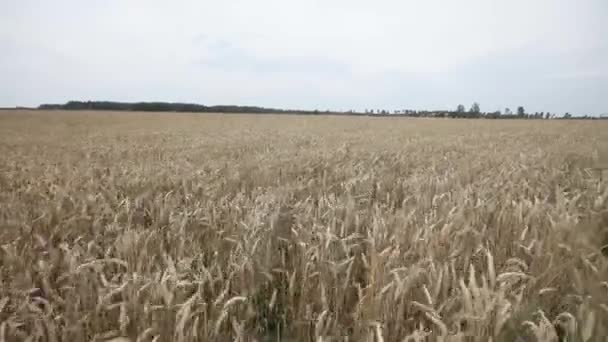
{"x":460,"y":108}
{"x":493,"y":115}
{"x":508,"y":111}
{"x":567,"y":115}
{"x":475,"y":108}
{"x":521,"y":112}
{"x":547,"y":116}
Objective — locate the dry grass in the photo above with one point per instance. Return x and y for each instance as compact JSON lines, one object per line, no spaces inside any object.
{"x":167,"y":227}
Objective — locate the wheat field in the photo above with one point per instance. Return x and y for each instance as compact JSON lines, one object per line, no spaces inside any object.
{"x":185,"y":227}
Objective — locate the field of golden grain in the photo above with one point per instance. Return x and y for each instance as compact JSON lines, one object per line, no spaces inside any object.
{"x":184,"y":227}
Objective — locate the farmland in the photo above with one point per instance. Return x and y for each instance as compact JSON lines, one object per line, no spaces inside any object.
{"x":185,"y":227}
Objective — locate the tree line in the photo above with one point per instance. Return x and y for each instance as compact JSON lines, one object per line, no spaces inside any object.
{"x":460,"y":112}
{"x":474,"y":112}
{"x":162,"y":107}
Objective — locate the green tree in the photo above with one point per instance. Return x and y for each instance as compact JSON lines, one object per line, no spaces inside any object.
{"x":460,"y":108}
{"x":521,"y":112}
{"x":475,"y":108}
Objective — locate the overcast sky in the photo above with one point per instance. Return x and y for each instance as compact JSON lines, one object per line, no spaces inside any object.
{"x":547,"y":55}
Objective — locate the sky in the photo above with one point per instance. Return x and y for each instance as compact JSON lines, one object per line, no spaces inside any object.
{"x":545,"y":55}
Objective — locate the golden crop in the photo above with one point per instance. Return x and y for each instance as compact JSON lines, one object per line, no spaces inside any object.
{"x":179,"y":227}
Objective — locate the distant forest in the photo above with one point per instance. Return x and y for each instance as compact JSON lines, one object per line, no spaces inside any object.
{"x":460,"y":112}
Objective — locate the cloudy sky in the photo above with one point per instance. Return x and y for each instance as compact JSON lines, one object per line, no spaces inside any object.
{"x":547,"y":55}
